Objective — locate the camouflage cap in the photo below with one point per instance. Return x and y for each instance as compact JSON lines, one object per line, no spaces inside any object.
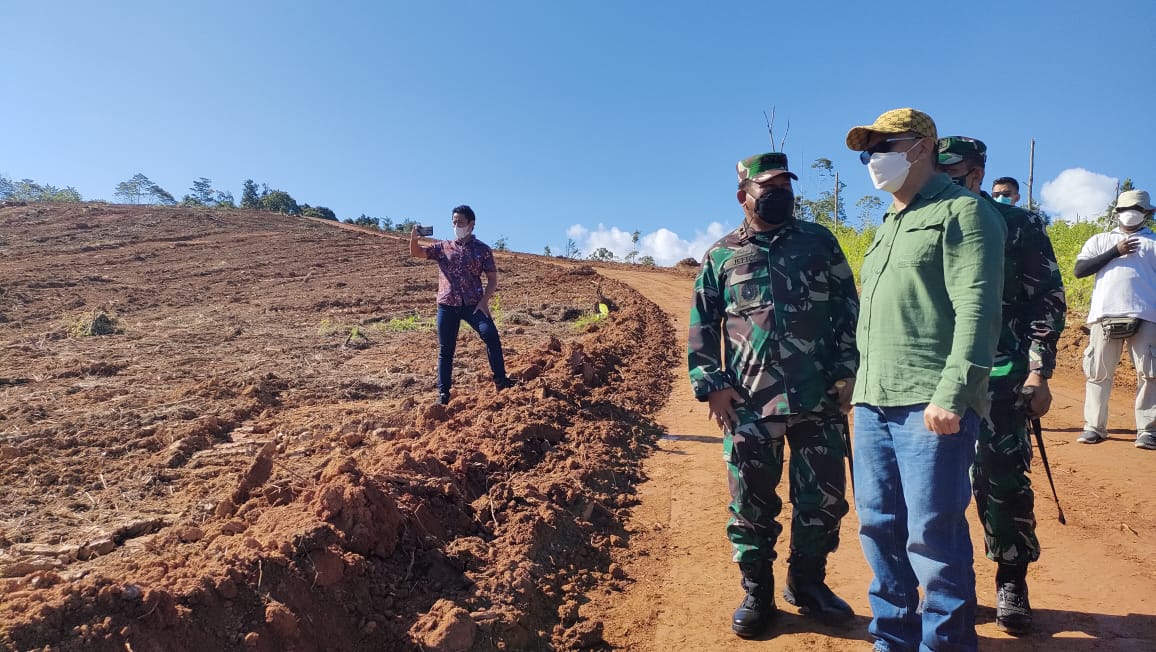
{"x":1134,"y":199}
{"x":954,"y":149}
{"x":895,"y":121}
{"x":761,"y":167}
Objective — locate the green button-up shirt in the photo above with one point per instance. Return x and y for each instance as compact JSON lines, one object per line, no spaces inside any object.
{"x":930,"y":305}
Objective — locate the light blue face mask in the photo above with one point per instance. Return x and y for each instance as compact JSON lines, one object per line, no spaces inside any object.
{"x":1004,"y":200}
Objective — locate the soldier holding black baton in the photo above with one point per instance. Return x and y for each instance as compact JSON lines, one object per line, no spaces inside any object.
{"x":1033,"y":316}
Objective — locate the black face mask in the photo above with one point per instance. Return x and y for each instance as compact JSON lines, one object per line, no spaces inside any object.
{"x":961,"y":181}
{"x":776,"y":205}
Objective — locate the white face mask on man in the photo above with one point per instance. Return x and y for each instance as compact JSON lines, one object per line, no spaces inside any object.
{"x":462,"y":231}
{"x":889,"y":169}
{"x":1130,"y":218}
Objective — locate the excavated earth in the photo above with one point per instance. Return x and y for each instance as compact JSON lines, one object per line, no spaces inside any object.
{"x":217,"y":431}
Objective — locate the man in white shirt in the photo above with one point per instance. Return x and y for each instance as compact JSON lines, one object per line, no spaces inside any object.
{"x":1123,"y":311}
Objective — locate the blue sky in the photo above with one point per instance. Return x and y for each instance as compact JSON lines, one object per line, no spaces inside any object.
{"x":588,"y":120}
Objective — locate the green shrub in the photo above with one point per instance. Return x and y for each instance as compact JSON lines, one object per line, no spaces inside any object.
{"x":496,"y":312}
{"x":1067,"y":240}
{"x":587,"y":319}
{"x":854,"y":244}
{"x":413,"y":322}
{"x":96,"y":323}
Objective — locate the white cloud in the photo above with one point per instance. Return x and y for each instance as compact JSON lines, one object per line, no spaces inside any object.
{"x":664,"y":245}
{"x":1078,"y":193}
{"x":577,"y":232}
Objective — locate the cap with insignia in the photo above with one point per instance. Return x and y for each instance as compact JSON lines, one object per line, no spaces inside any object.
{"x":955,"y":149}
{"x":760,"y":167}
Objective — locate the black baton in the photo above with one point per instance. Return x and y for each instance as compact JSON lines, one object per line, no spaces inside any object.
{"x":1038,"y":429}
{"x":840,"y":384}
{"x":850,"y":457}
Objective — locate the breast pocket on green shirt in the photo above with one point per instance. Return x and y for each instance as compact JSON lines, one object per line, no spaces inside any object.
{"x":749,"y":286}
{"x":917,"y":244}
{"x":867,"y":269}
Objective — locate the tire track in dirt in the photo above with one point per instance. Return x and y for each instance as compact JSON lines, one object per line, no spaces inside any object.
{"x":1093,"y":589}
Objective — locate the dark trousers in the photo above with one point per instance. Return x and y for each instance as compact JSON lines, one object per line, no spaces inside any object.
{"x":448,"y":321}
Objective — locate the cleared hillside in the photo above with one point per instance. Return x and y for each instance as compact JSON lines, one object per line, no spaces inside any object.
{"x":217,"y":432}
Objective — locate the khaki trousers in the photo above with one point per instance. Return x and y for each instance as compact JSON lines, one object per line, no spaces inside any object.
{"x":1100,"y":360}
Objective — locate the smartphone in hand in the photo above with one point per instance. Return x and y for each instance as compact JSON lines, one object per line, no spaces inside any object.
{"x":425,"y":231}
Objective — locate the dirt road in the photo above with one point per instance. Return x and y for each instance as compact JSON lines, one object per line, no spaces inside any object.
{"x":1093,"y":589}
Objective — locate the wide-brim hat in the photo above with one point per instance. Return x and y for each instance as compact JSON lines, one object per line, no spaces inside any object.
{"x":1134,"y":199}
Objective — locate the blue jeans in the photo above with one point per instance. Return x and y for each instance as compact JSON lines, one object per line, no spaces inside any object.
{"x":449,"y":320}
{"x":912,"y":492}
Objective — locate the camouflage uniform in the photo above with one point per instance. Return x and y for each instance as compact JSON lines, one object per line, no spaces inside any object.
{"x":774,"y":317}
{"x":1033,"y":317}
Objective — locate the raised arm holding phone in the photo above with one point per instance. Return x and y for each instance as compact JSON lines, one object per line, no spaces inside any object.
{"x":462,"y":262}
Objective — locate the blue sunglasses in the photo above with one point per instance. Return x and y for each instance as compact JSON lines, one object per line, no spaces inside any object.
{"x":882,"y":147}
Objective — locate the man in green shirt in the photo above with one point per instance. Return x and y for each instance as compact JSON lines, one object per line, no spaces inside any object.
{"x":927,"y":333}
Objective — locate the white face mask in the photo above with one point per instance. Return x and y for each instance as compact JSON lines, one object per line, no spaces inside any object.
{"x":889,"y":170}
{"x":462,"y":231}
{"x":1130,"y":218}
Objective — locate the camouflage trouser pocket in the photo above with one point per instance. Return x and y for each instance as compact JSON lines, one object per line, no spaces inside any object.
{"x":1003,"y":492}
{"x":1004,"y":445}
{"x":754,"y":459}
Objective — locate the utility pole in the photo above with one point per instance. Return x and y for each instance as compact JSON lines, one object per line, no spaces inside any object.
{"x":837,"y":202}
{"x":1031,"y":174}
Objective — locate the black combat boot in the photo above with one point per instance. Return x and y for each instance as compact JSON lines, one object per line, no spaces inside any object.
{"x":758,"y":607}
{"x":1013,"y":613}
{"x":807,"y":590}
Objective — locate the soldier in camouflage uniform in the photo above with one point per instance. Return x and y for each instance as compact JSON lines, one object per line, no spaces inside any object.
{"x":1033,"y":316}
{"x":772,"y":349}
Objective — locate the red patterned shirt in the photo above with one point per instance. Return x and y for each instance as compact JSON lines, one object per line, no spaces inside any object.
{"x":461,"y":265}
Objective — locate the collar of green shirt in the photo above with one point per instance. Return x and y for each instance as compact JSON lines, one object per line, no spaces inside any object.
{"x":930,"y":190}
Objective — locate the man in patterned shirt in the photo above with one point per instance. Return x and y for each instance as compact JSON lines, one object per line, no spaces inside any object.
{"x":461,"y":264}
{"x":1033,"y":316}
{"x":772,"y":349}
